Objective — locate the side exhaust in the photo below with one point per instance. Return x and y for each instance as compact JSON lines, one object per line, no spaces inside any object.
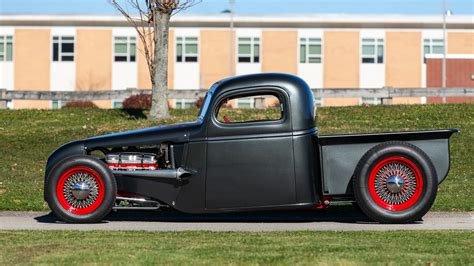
{"x":177,"y":174}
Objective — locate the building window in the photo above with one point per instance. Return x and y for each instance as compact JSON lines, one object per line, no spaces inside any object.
{"x":186,"y":49}
{"x":63,"y":48}
{"x":318,"y":101}
{"x":372,"y":51}
{"x":310,"y":50}
{"x":249,"y":50}
{"x":57,"y":104}
{"x":6,"y":48}
{"x":371,"y":100}
{"x":246,"y":103}
{"x":184,"y":103}
{"x":125,"y":49}
{"x":117,"y":104}
{"x":432,"y":46}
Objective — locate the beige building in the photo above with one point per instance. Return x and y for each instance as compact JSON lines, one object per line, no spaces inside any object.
{"x":68,"y":53}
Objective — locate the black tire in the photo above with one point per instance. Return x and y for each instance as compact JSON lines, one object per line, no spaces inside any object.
{"x":417,"y":188}
{"x":100,"y":183}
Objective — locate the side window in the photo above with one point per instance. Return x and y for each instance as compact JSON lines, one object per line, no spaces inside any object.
{"x":124,"y":49}
{"x":372,"y":51}
{"x":63,"y":48}
{"x":249,"y":50}
{"x":250,"y":108}
{"x":187,"y":49}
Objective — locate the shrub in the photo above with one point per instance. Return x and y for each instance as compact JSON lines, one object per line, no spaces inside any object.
{"x":139,"y":101}
{"x":80,"y":104}
{"x":199,"y":102}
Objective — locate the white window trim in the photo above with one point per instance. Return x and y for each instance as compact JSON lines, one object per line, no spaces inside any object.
{"x":183,"y":43}
{"x":60,"y":104}
{"x":376,"y":42}
{"x":4,"y":51}
{"x":128,"y":42}
{"x":114,"y":102}
{"x":252,"y":43}
{"x":307,"y":43}
{"x":60,"y":52}
{"x":370,"y":100}
{"x":249,"y":100}
{"x":430,"y":45}
{"x":183,"y":102}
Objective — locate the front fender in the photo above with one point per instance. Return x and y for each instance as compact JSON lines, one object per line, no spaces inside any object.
{"x":64,"y":151}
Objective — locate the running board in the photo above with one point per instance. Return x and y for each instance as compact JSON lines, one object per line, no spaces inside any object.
{"x":177,"y":174}
{"x":137,"y":200}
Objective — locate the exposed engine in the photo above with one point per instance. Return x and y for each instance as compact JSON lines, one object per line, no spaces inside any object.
{"x":131,"y":161}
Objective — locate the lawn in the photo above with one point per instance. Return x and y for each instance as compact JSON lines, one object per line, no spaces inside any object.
{"x":27,"y":137}
{"x":190,"y":248}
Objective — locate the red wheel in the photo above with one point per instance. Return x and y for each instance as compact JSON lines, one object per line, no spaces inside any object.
{"x":395,"y":183}
{"x":80,"y":190}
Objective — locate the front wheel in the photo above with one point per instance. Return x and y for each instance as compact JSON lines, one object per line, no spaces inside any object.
{"x":395,"y":182}
{"x":80,"y":189}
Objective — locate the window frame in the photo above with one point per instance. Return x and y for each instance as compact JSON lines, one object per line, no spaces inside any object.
{"x":183,"y":103}
{"x":252,"y":42}
{"x":60,"y":104}
{"x":376,"y":42}
{"x":307,"y":42}
{"x":370,"y":100}
{"x":184,"y":41}
{"x":5,"y":41}
{"x":129,"y":40}
{"x":251,"y":94}
{"x":59,"y":40}
{"x":430,"y":46}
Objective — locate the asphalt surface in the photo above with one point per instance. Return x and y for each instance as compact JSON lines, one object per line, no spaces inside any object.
{"x":336,"y":219}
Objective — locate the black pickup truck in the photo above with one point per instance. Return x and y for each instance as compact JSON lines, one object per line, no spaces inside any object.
{"x":226,"y":162}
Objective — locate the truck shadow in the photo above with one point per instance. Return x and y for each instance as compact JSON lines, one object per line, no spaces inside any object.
{"x":340,"y":214}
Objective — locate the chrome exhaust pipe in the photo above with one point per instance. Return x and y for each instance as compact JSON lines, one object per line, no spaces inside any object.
{"x":156,"y":204}
{"x":177,"y":174}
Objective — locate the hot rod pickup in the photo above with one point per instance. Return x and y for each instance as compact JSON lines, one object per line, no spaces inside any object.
{"x":226,"y":162}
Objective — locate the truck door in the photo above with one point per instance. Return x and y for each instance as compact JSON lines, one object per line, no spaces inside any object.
{"x":250,"y":150}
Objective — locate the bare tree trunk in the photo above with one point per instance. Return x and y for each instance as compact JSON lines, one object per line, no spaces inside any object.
{"x":159,"y":106}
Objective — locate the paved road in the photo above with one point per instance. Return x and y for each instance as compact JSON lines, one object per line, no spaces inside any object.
{"x":339,"y":220}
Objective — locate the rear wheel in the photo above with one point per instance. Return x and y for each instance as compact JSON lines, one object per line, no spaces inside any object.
{"x":80,"y":189}
{"x":395,"y":182}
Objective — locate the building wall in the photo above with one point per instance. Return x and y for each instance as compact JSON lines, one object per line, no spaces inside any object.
{"x":215,"y":63}
{"x":93,"y":65}
{"x":32,"y":62}
{"x":278,"y":55}
{"x":461,"y":42}
{"x":459,"y":72}
{"x":341,"y":59}
{"x":403,"y":59}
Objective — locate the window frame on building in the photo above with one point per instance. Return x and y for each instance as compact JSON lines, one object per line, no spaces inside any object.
{"x":182,"y":46}
{"x":57,"y":44}
{"x":117,"y":104}
{"x":378,"y":47}
{"x":370,"y":100}
{"x":130,"y":54}
{"x":6,"y":48}
{"x":254,"y":54}
{"x":429,"y":43}
{"x":305,"y":54}
{"x":58,"y":104}
{"x":183,"y":103}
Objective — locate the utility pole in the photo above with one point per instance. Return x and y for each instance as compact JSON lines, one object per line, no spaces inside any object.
{"x":446,"y":13}
{"x":231,"y":39}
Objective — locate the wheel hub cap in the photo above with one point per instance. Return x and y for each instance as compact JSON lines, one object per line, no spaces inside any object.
{"x":81,"y":190}
{"x":395,"y":184}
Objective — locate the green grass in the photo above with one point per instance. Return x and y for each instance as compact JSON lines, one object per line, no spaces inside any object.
{"x":190,"y":248}
{"x":27,"y":137}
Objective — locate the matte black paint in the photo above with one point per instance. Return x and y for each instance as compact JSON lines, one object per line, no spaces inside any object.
{"x":279,"y":164}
